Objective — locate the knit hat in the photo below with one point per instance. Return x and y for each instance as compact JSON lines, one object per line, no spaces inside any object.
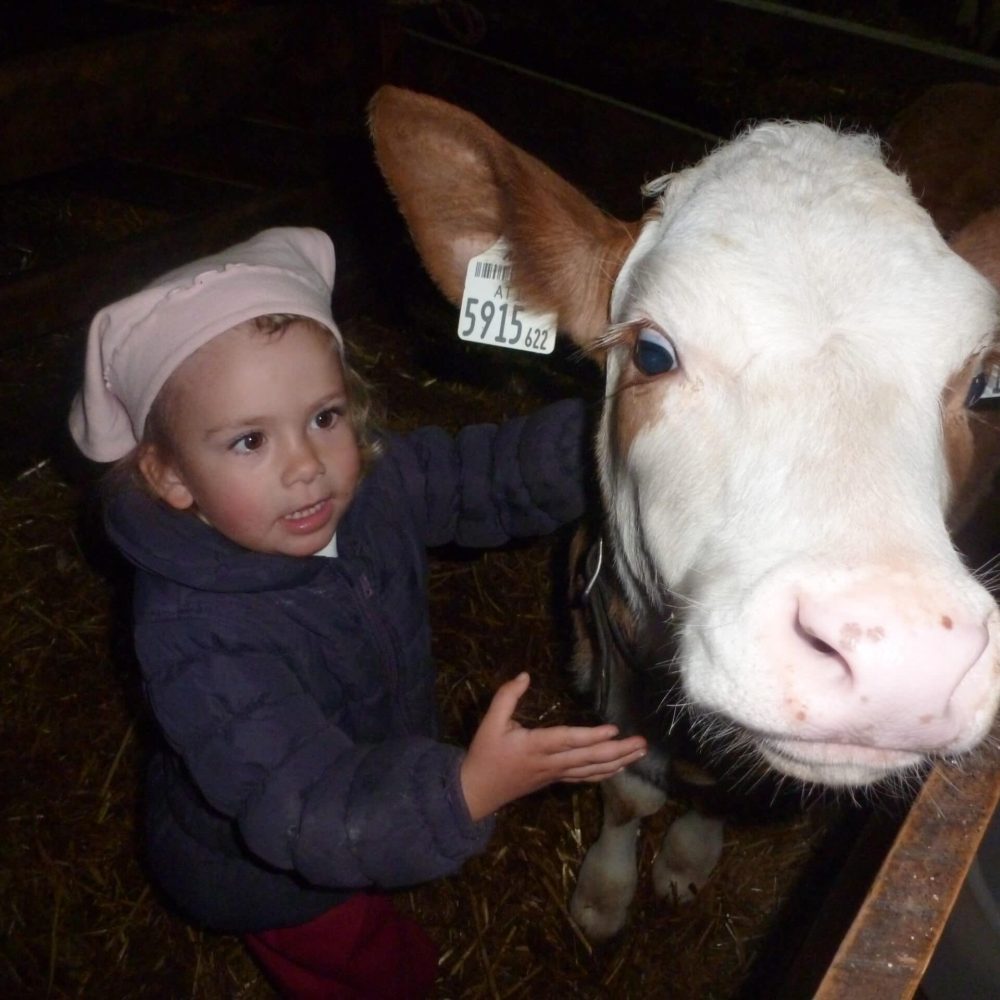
{"x":136,"y":343}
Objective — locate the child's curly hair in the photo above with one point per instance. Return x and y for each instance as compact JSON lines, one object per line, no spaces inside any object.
{"x":362,"y":411}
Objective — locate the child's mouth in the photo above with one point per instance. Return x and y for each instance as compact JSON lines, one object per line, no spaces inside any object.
{"x":305,"y":512}
{"x":309,"y":518}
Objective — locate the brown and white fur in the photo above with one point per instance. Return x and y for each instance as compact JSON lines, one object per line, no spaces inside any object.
{"x":788,"y":343}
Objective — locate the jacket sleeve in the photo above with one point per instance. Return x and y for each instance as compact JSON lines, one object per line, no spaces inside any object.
{"x":303,"y":796}
{"x":491,"y":483}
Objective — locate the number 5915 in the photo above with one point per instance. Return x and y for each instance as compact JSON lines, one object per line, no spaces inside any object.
{"x":484,"y":317}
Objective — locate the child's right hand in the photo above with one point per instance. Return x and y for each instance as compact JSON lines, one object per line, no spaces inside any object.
{"x":506,"y":761}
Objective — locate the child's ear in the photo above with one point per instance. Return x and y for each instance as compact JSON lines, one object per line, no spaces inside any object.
{"x":164,"y":478}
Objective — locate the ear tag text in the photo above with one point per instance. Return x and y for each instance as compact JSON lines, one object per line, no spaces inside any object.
{"x":491,"y":312}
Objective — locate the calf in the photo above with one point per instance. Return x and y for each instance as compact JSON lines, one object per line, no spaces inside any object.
{"x":791,"y":352}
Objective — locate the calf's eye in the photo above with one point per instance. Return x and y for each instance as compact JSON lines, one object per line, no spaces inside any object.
{"x":976,"y":389}
{"x":653,"y":353}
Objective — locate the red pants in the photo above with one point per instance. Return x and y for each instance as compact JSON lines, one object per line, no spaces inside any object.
{"x":363,"y":949}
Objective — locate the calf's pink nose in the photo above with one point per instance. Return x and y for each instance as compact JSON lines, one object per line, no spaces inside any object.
{"x":880,"y":667}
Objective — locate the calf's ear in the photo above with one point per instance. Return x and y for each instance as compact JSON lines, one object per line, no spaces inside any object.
{"x":461,"y":186}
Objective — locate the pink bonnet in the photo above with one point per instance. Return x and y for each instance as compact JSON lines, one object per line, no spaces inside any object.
{"x":136,"y":343}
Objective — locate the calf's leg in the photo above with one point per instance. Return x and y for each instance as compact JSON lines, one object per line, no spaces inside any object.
{"x":607,"y":880}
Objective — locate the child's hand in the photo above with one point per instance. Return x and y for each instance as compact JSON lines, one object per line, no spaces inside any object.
{"x":506,"y":761}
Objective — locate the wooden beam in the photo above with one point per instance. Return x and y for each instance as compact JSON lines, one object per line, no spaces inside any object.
{"x":890,"y":943}
{"x":935,"y":50}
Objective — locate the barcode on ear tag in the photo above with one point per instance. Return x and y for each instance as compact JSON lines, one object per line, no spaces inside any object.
{"x":491,"y":312}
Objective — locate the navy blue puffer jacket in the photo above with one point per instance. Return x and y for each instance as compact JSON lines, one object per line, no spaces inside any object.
{"x":300,"y":760}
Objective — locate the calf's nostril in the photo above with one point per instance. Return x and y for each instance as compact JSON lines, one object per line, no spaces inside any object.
{"x":832,"y":663}
{"x":820,"y":646}
{"x":807,"y":636}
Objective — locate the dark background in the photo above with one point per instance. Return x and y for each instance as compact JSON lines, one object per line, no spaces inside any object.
{"x":138,"y":135}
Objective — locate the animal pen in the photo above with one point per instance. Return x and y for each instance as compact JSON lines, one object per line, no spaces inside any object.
{"x":139,"y":135}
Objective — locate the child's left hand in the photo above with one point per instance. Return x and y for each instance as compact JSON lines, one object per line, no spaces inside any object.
{"x":506,"y":761}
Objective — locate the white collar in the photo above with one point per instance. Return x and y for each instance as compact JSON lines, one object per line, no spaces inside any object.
{"x":330,"y":549}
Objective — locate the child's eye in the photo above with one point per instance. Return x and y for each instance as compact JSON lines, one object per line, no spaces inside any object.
{"x":247,"y":443}
{"x":326,"y":418}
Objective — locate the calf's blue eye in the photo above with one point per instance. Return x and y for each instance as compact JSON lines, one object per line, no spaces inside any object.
{"x":653,"y":353}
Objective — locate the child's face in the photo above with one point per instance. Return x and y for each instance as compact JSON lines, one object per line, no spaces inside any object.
{"x":263,"y":449}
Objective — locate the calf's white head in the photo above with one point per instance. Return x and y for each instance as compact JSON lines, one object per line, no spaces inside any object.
{"x":789,"y":348}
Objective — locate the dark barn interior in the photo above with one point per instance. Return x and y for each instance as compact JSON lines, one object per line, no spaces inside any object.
{"x":137,"y":135}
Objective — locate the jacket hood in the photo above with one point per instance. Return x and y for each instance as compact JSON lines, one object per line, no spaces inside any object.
{"x":184,"y":549}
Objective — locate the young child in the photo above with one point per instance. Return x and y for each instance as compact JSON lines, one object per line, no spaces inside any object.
{"x":281,"y":616}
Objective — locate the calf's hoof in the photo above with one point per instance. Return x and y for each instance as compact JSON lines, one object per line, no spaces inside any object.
{"x":603,"y":893}
{"x":691,"y":850}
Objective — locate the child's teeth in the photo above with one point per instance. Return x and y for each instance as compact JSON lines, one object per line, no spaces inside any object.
{"x":305,"y":512}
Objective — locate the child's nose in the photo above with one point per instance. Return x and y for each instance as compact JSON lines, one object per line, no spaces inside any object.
{"x":303,"y":464}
